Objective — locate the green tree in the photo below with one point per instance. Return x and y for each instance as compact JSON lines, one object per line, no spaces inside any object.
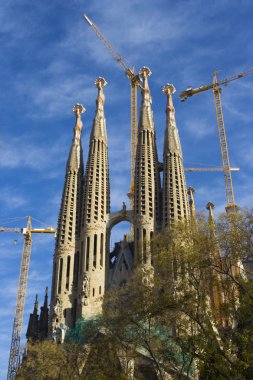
{"x":194,"y":317}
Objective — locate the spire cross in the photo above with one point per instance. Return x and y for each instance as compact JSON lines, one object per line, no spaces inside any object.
{"x":100,"y":82}
{"x":78,"y":109}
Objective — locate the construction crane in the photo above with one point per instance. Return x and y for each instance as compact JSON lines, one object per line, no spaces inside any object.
{"x":215,"y":86}
{"x":22,"y":285}
{"x":135,"y":82}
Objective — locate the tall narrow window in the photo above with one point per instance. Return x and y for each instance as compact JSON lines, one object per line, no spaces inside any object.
{"x":67,"y":273}
{"x":144,"y":247}
{"x":60,"y":276}
{"x":76,"y":268}
{"x":87,"y":253}
{"x":82,"y":255}
{"x":151,"y":246}
{"x":74,"y":312}
{"x":53,"y":282}
{"x":95,"y":251}
{"x":138,"y":243}
{"x":101,"y":249}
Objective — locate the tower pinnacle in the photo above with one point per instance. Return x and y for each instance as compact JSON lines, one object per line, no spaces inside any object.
{"x":100,"y":82}
{"x":46,"y":297}
{"x":68,"y":232}
{"x":210,"y":207}
{"x":36,"y":305}
{"x":175,"y":205}
{"x":172,"y":137}
{"x":191,"y":192}
{"x":96,"y":207}
{"x":78,"y":109}
{"x":145,"y":72}
{"x":147,"y":180}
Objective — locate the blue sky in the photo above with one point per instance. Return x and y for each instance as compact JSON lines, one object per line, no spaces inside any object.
{"x":50,"y":59}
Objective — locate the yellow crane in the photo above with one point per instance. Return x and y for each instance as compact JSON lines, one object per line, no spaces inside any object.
{"x":135,"y":82}
{"x":22,"y":285}
{"x":215,"y":86}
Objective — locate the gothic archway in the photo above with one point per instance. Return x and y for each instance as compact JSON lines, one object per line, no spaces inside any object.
{"x":114,"y":219}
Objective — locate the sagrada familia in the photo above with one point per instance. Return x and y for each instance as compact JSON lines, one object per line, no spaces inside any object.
{"x":83,"y":267}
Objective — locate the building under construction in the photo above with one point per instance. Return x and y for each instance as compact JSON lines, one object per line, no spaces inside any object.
{"x":83,"y":266}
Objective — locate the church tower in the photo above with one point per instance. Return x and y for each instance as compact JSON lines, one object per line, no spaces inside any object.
{"x":32,"y":333}
{"x":147,"y":180}
{"x":174,"y":200}
{"x":65,"y":255}
{"x":96,"y":207}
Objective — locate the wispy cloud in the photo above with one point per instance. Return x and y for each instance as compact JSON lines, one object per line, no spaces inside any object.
{"x":12,"y":199}
{"x":22,"y":152}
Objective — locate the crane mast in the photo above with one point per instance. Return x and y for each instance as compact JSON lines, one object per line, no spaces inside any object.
{"x":215,"y":86}
{"x":20,"y":304}
{"x":21,"y":294}
{"x":134,"y":84}
{"x":223,"y":145}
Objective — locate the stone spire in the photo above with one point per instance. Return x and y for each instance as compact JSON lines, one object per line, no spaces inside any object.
{"x":192,"y":208}
{"x":96,"y":207}
{"x":68,"y":232}
{"x":33,"y":324}
{"x":43,"y":321}
{"x":36,"y":305}
{"x":174,"y":203}
{"x":147,"y":179}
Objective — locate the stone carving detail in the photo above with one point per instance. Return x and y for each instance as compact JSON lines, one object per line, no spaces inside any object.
{"x":59,"y":333}
{"x":57,"y":308}
{"x":123,"y":210}
{"x":85,"y":289}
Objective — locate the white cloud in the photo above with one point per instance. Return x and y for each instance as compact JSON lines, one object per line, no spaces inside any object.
{"x":199,"y":128}
{"x":22,"y":152}
{"x":12,"y":200}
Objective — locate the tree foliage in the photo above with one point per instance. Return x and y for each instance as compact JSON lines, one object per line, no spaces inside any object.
{"x":194,"y":317}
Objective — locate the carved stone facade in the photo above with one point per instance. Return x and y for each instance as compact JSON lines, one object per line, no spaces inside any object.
{"x":83,"y":266}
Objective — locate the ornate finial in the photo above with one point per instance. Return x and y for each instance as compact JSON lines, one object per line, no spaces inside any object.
{"x":169,"y":89}
{"x":78,"y":109}
{"x":100,"y":82}
{"x":145,"y":72}
{"x":190,"y":192}
{"x":210,"y":207}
